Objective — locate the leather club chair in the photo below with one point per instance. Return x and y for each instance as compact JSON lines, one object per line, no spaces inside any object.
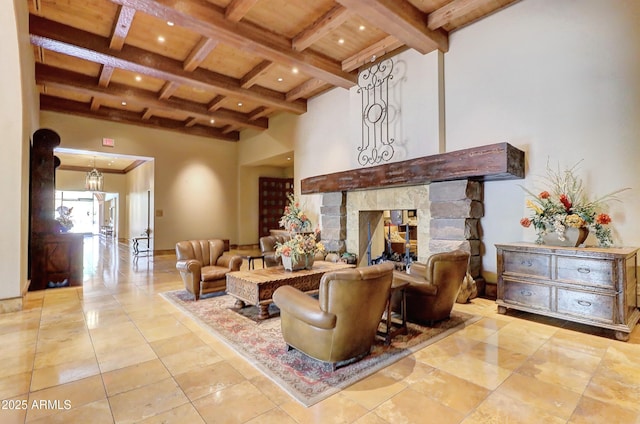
{"x":341,"y":324}
{"x":268,"y":249}
{"x":203,"y":265}
{"x":433,"y":287}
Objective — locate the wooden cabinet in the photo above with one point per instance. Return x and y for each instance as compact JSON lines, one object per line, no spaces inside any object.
{"x":588,"y":285}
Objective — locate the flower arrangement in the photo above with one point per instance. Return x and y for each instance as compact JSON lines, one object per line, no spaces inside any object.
{"x":302,"y":242}
{"x":567,"y":205}
{"x":294,"y":219}
{"x":64,"y":218}
{"x":298,"y":246}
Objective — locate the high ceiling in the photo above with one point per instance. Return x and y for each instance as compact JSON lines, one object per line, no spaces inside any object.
{"x":215,"y":67}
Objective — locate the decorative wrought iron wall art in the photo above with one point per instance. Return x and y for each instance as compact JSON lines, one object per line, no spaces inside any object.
{"x":373,"y":87}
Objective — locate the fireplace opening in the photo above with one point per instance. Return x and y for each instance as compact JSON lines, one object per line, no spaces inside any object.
{"x":392,"y":235}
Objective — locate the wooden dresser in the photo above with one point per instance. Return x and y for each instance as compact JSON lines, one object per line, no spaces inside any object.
{"x":592,"y":286}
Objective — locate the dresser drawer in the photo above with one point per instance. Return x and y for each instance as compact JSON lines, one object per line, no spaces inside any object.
{"x":524,"y":263}
{"x":592,"y":272}
{"x":525,"y":294}
{"x":587,"y":305}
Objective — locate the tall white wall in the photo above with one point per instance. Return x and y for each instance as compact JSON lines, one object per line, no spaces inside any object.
{"x":18,"y":119}
{"x":561,"y":81}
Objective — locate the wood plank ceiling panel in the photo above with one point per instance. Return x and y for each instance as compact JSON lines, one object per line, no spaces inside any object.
{"x":216,"y":67}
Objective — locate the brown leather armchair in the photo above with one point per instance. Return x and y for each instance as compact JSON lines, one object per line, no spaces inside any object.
{"x":203,"y":265}
{"x":433,"y":287}
{"x":268,"y":249}
{"x":341,"y":325}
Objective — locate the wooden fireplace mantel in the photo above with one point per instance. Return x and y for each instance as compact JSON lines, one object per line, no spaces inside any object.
{"x":492,"y":162}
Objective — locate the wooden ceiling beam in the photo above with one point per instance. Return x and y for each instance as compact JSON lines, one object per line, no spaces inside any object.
{"x":402,"y":20}
{"x":260,"y":112}
{"x":371,"y":53}
{"x":215,"y":103}
{"x":148,"y":113}
{"x":327,"y":23}
{"x":457,"y":9}
{"x":105,"y":75}
{"x":252,"y":76}
{"x":56,"y":104}
{"x":121,"y":27}
{"x":191,"y":122}
{"x":199,"y":53}
{"x":95,"y":104}
{"x":167,"y":90}
{"x":207,"y":20}
{"x":81,"y":44}
{"x":304,"y":89}
{"x":69,"y":80}
{"x":236,"y":10}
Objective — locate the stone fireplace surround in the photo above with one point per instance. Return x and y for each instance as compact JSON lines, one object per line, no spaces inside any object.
{"x":446,"y":190}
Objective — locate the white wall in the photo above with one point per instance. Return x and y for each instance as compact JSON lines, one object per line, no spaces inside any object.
{"x":18,"y":118}
{"x":195,"y":183}
{"x":559,"y":80}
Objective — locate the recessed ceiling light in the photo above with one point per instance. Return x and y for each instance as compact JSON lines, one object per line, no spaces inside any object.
{"x":239,"y":104}
{"x":138,"y":78}
{"x":294,"y":70}
{"x":160,"y":39}
{"x":288,"y":158}
{"x":170,"y":23}
{"x":362,"y":27}
{"x":123,"y":103}
{"x":212,"y":121}
{"x":341,"y":41}
{"x":280,"y":79}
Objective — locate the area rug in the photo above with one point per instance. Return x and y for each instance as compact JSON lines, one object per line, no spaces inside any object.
{"x":305,"y":379}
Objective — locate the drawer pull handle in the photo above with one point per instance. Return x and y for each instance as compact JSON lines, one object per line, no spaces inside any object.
{"x":583,"y":270}
{"x":584,"y":303}
{"x":525,"y":293}
{"x":526,"y":263}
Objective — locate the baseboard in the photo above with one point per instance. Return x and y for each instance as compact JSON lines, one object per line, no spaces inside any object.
{"x":13,"y":304}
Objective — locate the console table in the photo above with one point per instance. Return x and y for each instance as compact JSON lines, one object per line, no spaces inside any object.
{"x":592,"y":286}
{"x":256,"y":287}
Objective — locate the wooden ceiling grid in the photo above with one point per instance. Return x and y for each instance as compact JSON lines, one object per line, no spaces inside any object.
{"x":222,"y":65}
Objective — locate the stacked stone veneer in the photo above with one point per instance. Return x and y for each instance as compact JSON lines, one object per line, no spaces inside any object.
{"x":456,"y":208}
{"x":448,"y":217}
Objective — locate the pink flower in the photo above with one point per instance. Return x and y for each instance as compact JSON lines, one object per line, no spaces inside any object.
{"x":525,"y":222}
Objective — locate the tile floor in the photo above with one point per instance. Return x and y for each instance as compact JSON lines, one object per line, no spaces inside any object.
{"x":115,"y":351}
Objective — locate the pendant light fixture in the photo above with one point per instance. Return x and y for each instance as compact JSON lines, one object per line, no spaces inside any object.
{"x":94,"y":180}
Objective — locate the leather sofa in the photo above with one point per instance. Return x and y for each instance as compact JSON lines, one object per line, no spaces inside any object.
{"x":433,"y":287}
{"x":203,"y":265}
{"x":341,"y":324}
{"x":268,"y":249}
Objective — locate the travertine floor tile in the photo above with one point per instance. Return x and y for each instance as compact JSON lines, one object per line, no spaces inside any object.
{"x":451,"y":391}
{"x":410,"y":406}
{"x":144,"y":402}
{"x":134,"y":376}
{"x":119,"y":352}
{"x":235,"y":404}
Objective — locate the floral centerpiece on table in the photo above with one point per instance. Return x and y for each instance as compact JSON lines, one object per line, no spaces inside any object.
{"x":294,"y":219}
{"x":302,"y":243}
{"x":567,"y":205}
{"x":299,"y":246}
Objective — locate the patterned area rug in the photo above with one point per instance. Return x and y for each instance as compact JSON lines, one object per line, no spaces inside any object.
{"x":305,"y":379}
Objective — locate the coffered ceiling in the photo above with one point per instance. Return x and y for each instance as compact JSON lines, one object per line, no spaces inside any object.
{"x":215,"y":67}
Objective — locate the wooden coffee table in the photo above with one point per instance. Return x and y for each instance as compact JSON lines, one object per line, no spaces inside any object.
{"x":256,"y":287}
